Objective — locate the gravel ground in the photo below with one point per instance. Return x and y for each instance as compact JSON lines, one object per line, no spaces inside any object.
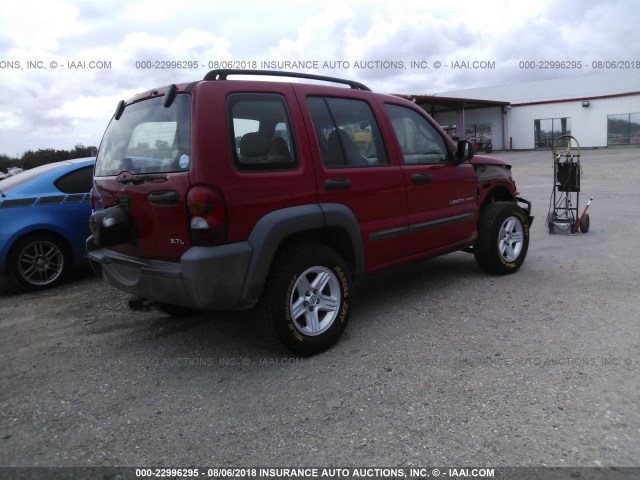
{"x":440,"y":365}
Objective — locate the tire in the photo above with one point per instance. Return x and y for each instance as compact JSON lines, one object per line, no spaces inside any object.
{"x":39,"y":261}
{"x":305,"y":305}
{"x":585,"y":223}
{"x":550,"y":221}
{"x":503,"y":238}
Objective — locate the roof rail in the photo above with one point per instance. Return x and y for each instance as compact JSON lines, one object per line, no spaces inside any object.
{"x":221,"y":74}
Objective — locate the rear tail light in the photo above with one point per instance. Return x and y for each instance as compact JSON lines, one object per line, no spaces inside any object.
{"x":207,"y":216}
{"x":94,"y":199}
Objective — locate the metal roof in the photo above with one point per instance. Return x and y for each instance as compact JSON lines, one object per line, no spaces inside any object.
{"x":434,"y":104}
{"x":616,"y":83}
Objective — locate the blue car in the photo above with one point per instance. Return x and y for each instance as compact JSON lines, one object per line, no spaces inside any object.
{"x":43,"y":222}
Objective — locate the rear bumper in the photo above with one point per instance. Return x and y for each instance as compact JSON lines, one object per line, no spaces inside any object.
{"x":205,"y":278}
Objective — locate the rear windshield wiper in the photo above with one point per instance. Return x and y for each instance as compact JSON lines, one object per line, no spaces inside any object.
{"x":138,"y":179}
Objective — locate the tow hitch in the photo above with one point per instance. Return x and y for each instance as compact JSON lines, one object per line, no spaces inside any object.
{"x":138,"y":304}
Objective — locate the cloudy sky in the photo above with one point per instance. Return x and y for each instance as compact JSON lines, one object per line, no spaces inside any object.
{"x":64,"y":64}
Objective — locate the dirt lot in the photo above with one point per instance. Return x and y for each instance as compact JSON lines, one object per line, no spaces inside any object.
{"x":440,"y":365}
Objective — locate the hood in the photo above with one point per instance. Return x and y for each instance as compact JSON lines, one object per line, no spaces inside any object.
{"x":484,"y":160}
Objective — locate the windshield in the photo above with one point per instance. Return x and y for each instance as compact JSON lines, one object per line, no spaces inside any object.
{"x":148,"y":138}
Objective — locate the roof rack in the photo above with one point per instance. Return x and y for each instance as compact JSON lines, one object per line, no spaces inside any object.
{"x":221,"y":74}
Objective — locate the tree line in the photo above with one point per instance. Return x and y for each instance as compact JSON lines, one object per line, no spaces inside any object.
{"x":32,"y":159}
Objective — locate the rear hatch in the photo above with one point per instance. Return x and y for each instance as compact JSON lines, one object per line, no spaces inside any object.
{"x":143,"y":167}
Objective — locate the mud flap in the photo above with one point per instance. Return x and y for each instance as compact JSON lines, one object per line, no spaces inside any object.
{"x":527,"y":209}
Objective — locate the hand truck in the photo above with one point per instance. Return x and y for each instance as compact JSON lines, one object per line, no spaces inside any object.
{"x":564,"y":204}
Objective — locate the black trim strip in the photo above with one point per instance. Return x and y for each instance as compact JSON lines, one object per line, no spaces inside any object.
{"x":75,"y":197}
{"x":440,"y":221}
{"x":51,"y":199}
{"x":417,"y":227}
{"x":392,"y":232}
{"x":18,"y":202}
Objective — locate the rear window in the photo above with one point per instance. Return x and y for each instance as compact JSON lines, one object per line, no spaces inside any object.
{"x":78,"y":181}
{"x":9,"y":183}
{"x":148,"y":138}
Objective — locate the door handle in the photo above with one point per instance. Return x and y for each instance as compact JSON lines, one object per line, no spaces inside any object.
{"x":164,"y":198}
{"x":337,"y":184}
{"x":421,"y":178}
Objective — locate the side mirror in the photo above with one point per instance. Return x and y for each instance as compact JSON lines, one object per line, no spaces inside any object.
{"x":465,"y":151}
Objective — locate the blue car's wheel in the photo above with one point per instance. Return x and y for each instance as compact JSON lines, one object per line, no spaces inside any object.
{"x":39,"y":261}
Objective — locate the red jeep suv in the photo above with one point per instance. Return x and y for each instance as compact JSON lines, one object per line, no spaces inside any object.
{"x":229,"y":194}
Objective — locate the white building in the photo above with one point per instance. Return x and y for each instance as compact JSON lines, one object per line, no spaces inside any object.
{"x":598,"y":110}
